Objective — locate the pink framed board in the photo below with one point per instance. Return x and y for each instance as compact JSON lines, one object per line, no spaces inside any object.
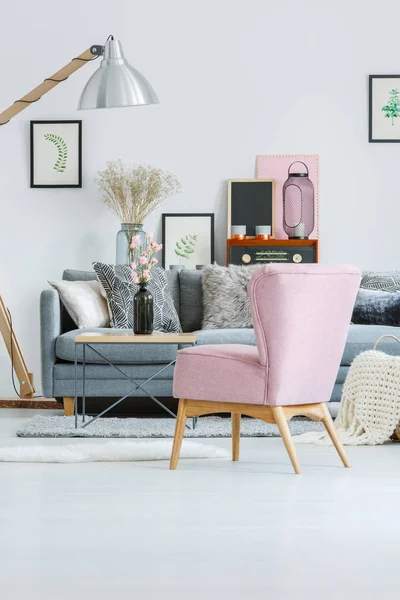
{"x":276,"y":167}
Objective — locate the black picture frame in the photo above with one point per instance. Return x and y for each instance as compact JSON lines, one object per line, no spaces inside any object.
{"x":371,"y":138}
{"x":251,"y":202}
{"x":165,"y":216}
{"x":78,"y":184}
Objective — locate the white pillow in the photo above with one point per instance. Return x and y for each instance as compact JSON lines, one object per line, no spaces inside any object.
{"x":84,"y":302}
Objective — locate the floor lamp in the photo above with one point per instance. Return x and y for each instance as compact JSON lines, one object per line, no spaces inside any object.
{"x":115,"y":84}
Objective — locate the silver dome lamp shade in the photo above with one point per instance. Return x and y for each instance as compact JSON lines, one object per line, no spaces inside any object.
{"x":116,"y":83}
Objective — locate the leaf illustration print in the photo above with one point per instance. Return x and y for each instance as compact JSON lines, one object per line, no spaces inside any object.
{"x":392,"y":107}
{"x":185,"y":246}
{"x":62,"y":149}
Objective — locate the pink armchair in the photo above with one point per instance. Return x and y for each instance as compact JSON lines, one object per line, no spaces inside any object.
{"x":301,"y":316}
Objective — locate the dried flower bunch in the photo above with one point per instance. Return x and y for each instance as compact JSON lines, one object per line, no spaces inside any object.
{"x":133,"y":192}
{"x":144,"y":259}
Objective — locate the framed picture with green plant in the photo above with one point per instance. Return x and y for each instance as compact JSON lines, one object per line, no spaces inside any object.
{"x":188,"y":239}
{"x":384,"y":108}
{"x":56,"y":154}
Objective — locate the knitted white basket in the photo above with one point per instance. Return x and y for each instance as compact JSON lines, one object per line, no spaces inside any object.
{"x":395,"y":437}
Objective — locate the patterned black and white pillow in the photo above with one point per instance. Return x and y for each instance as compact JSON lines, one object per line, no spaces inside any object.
{"x":120,"y":289}
{"x":388,"y":281}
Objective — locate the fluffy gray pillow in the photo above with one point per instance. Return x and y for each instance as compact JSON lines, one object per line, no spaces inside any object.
{"x":225,"y":301}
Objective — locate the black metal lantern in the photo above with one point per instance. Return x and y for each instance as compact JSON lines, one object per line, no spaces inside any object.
{"x":298,"y":204}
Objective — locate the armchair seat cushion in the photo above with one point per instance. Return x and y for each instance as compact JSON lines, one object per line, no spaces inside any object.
{"x":123,"y":354}
{"x":220,"y":373}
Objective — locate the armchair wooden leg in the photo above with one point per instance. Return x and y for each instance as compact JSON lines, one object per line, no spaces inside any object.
{"x":69,"y":407}
{"x":280,"y":419}
{"x":235,"y":436}
{"x":330,"y":428}
{"x":179,"y":431}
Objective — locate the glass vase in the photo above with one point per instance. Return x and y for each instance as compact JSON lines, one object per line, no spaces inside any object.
{"x":143,"y":313}
{"x":124,"y":239}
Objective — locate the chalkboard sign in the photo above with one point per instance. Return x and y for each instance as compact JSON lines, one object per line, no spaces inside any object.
{"x":251,"y":203}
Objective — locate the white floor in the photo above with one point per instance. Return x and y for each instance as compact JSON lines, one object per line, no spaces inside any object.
{"x":213,"y":529}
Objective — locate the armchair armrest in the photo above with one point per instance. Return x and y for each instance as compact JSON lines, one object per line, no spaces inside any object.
{"x":50,"y":329}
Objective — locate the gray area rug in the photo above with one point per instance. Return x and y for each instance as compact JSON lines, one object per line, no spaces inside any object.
{"x":54,"y":426}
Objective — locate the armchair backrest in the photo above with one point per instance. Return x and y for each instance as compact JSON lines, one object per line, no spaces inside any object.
{"x":301,"y":316}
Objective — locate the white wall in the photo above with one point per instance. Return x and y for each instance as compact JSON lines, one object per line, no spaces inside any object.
{"x":235,"y":78}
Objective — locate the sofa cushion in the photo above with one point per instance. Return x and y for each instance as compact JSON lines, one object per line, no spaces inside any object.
{"x":84,"y":302}
{"x":226,"y":336}
{"x":67,"y":323}
{"x":120,"y":290}
{"x":359,"y":339}
{"x":66,"y":370}
{"x":124,"y":354}
{"x":377,"y":307}
{"x":388,"y":281}
{"x":225,"y":300}
{"x":191,"y":308}
{"x":362,"y":337}
{"x":76,"y":275}
{"x":172,"y":278}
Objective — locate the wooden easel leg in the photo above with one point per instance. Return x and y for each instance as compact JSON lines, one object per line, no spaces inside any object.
{"x":69,"y":407}
{"x":26,"y":387}
{"x":13,"y":348}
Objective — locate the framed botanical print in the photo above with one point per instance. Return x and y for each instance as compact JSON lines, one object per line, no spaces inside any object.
{"x":188,"y":239}
{"x":56,"y":154}
{"x":384,"y":108}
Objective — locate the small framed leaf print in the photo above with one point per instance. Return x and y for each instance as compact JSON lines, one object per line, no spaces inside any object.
{"x":188,"y":239}
{"x":56,"y":154}
{"x":384,"y":108}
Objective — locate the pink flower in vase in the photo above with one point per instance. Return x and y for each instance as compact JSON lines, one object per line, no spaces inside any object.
{"x":134,"y":265}
{"x":143,"y":260}
{"x":135,"y":242}
{"x":154,"y":261}
{"x":135,"y":277}
{"x":146,"y":275}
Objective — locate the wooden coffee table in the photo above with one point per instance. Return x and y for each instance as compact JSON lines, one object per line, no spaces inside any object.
{"x":91,"y":339}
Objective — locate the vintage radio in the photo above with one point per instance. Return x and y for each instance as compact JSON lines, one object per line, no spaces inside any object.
{"x":253,"y":251}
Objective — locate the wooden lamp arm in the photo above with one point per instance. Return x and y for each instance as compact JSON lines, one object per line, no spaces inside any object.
{"x":48,"y":84}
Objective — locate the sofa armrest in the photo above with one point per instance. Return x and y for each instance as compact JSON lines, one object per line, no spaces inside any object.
{"x":50,"y":329}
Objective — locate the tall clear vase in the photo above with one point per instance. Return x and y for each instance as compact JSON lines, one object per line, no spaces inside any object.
{"x":124,"y":238}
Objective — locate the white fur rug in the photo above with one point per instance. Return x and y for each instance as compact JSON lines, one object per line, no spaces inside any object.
{"x":108,"y":452}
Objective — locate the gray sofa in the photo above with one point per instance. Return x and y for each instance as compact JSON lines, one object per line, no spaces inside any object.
{"x":141,"y":361}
